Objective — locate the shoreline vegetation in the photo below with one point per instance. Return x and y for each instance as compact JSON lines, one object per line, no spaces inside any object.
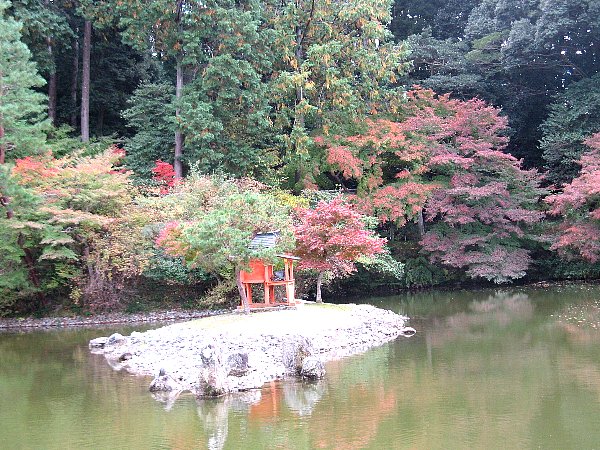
{"x":95,"y":320}
{"x":29,"y":323}
{"x":133,"y":173}
{"x":237,"y":352}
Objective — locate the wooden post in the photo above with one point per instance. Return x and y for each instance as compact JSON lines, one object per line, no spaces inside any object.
{"x":267,"y":292}
{"x":290,"y":287}
{"x":242,"y":289}
{"x":248,"y":292}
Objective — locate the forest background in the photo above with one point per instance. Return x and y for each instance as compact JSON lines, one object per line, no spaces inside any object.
{"x":464,"y":133}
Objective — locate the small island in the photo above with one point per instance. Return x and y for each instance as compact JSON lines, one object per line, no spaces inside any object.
{"x":237,"y":352}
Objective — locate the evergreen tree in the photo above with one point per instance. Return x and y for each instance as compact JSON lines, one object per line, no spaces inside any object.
{"x":516,"y":54}
{"x":22,"y":110}
{"x":45,"y":29}
{"x":335,"y":63}
{"x":574,"y":115}
{"x":221,"y":60}
{"x":225,"y":108}
{"x":151,"y":116}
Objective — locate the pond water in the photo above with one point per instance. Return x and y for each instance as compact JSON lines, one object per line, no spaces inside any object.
{"x":513,"y":368}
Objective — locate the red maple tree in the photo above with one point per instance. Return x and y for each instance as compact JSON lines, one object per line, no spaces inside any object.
{"x":164,"y":175}
{"x":579,"y":205}
{"x":332,"y":237}
{"x":442,"y":160}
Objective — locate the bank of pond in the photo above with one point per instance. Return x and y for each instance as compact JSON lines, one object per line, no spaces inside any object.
{"x":496,"y":368}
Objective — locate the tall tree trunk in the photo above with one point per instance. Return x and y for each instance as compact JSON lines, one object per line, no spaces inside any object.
{"x":177,"y":164}
{"x":52,"y":81}
{"x":299,"y":117}
{"x":2,"y":146}
{"x":52,"y":78}
{"x":29,"y":261}
{"x":421,"y":224}
{"x":301,"y":32}
{"x":85,"y":82}
{"x":75,"y":80}
{"x":5,"y":202}
{"x":242,"y":291}
{"x":299,"y":123}
{"x":52,"y":97}
{"x":319,"y":284}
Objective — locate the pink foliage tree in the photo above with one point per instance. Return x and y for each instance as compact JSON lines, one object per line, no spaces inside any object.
{"x":579,"y":205}
{"x":332,"y":237}
{"x":480,"y":220}
{"x":443,"y":161}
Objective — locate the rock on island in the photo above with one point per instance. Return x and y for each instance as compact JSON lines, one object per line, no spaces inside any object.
{"x":229,"y":353}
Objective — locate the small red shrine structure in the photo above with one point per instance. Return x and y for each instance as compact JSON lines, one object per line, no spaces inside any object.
{"x":262,"y":273}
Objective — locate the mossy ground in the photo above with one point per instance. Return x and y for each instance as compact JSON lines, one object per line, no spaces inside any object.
{"x":305,"y":313}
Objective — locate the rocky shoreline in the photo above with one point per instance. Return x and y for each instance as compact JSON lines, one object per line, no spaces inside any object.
{"x":13,"y":324}
{"x":230,"y":353}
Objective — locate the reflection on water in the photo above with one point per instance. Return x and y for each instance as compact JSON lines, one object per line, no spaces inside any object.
{"x":492,"y":369}
{"x":302,"y":398}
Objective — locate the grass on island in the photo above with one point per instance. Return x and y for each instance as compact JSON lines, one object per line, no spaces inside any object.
{"x":334,"y":306}
{"x":208,"y":323}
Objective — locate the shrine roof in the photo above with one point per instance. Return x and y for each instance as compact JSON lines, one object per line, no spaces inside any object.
{"x":264,"y":240}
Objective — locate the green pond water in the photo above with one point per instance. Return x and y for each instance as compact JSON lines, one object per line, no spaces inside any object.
{"x":506,"y":369}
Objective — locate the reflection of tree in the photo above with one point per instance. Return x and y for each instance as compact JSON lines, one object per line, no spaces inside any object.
{"x":303,"y":397}
{"x":578,"y":319}
{"x":496,"y":374}
{"x":59,"y":393}
{"x":500,"y":373}
{"x":579,"y":323}
{"x":214,"y":415}
{"x":373,"y":404}
{"x":504,"y":312}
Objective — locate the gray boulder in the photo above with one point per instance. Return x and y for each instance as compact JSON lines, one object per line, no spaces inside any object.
{"x":237,"y":364}
{"x":408,"y":331}
{"x":98,"y":342}
{"x":294,"y":352}
{"x":115,"y":339}
{"x":212,"y":380}
{"x":125,"y":357}
{"x":312,"y":368}
{"x":164,"y":382}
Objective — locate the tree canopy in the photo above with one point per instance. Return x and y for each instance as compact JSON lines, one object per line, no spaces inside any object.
{"x":465,"y":130}
{"x":22,"y":109}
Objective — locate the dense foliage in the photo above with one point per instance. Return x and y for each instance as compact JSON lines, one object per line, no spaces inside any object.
{"x":222,"y":118}
{"x":331,"y":238}
{"x":579,"y":204}
{"x":21,"y":107}
{"x":572,"y":118}
{"x":218,"y":240}
{"x":444,"y":159}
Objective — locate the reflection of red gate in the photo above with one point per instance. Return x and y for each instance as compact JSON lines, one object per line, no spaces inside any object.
{"x":268,"y":407}
{"x":261,"y":273}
